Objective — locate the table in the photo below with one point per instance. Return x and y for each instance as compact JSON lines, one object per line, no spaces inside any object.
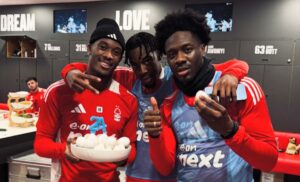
{"x":13,"y":141}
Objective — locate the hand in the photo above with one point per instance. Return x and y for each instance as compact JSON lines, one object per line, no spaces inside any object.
{"x":225,"y":88}
{"x":79,"y":81}
{"x":152,"y":119}
{"x":214,"y":114}
{"x":70,"y":157}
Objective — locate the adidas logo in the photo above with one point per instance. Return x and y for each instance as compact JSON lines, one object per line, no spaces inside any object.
{"x":78,"y":109}
{"x":113,"y":36}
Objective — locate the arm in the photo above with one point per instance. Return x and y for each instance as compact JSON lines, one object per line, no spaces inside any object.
{"x":235,"y":67}
{"x":255,"y":140}
{"x":163,"y":147}
{"x":232,"y":71}
{"x":74,"y":75}
{"x":47,"y":128}
{"x":129,"y":129}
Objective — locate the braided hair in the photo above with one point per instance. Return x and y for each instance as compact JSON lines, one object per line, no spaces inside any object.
{"x":141,"y":39}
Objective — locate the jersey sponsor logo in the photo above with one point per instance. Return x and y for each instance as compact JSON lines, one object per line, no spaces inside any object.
{"x":117,"y":113}
{"x":203,"y":160}
{"x":75,"y":126}
{"x":79,"y":109}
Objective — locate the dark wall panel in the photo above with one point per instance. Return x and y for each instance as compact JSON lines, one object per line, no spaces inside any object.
{"x":277,"y":91}
{"x":220,"y":51}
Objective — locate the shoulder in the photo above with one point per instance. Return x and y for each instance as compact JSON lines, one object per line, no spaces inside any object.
{"x":253,"y":90}
{"x":120,"y":90}
{"x":55,"y":88}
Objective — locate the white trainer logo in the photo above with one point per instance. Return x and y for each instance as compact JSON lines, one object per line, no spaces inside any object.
{"x":113,"y":36}
{"x":79,"y":109}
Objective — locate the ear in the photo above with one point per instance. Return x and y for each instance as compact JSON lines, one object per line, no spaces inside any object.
{"x":89,"y":49}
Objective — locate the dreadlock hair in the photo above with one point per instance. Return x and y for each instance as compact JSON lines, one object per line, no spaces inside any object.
{"x":186,"y":20}
{"x":138,"y":40}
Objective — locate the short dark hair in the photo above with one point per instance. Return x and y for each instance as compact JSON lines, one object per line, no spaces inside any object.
{"x":30,"y":78}
{"x":183,"y":20}
{"x":138,"y":40}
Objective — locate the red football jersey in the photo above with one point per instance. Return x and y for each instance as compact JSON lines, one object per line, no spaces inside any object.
{"x":36,"y":98}
{"x":65,"y":113}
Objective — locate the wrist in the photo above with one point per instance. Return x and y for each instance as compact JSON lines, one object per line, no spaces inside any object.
{"x":232,"y":132}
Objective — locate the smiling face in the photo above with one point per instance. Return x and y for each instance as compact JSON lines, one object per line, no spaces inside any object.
{"x":105,"y":55}
{"x":184,"y":54}
{"x":146,"y":67}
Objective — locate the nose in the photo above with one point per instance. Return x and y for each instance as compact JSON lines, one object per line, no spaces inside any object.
{"x":181,"y":58}
{"x":108,"y":54}
{"x":143,"y":69}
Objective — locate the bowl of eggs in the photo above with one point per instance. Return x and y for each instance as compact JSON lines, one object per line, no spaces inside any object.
{"x":101,"y":148}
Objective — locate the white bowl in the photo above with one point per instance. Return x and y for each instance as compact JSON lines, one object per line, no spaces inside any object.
{"x":90,"y":154}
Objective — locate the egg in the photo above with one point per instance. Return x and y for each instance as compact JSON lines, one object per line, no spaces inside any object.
{"x":110,"y":141}
{"x":201,"y":93}
{"x":124,"y":141}
{"x":87,"y":136}
{"x":101,"y":138}
{"x":80,"y":141}
{"x":93,"y":139}
{"x":88,"y":144}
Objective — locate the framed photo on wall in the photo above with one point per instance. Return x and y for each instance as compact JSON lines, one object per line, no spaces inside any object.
{"x":218,"y":15}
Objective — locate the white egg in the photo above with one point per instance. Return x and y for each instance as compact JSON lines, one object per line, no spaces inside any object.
{"x":119,"y":147}
{"x":80,"y":141}
{"x":87,"y":136}
{"x":93,"y":139}
{"x":101,"y":138}
{"x":202,"y":94}
{"x":88,"y":144}
{"x":100,"y":146}
{"x":110,"y":141}
{"x":124,"y":141}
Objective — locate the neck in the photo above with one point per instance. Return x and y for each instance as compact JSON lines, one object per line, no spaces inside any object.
{"x":200,"y":81}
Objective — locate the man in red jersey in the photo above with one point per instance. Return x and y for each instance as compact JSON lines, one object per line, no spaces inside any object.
{"x":199,"y":137}
{"x":65,"y":113}
{"x":36,"y":94}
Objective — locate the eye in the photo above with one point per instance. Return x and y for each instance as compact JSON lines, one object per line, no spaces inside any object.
{"x":117,"y":52}
{"x":171,"y":54}
{"x":188,"y":49}
{"x":102,"y":47}
{"x":148,"y":60}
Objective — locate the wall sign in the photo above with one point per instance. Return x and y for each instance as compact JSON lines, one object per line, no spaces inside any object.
{"x":265,"y":49}
{"x":212,"y":50}
{"x":133,"y":19}
{"x":17,"y":22}
{"x":49,"y":47}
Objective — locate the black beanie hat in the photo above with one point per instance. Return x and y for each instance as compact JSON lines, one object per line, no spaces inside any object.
{"x":108,"y":28}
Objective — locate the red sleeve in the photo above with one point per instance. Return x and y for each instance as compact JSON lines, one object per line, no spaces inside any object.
{"x":124,"y":75}
{"x":130,"y":127}
{"x":236,"y":67}
{"x":255,"y":140}
{"x":72,"y":66}
{"x":163,"y":148}
{"x":47,"y":128}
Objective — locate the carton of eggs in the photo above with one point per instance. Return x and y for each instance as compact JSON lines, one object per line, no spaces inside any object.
{"x":101,"y":148}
